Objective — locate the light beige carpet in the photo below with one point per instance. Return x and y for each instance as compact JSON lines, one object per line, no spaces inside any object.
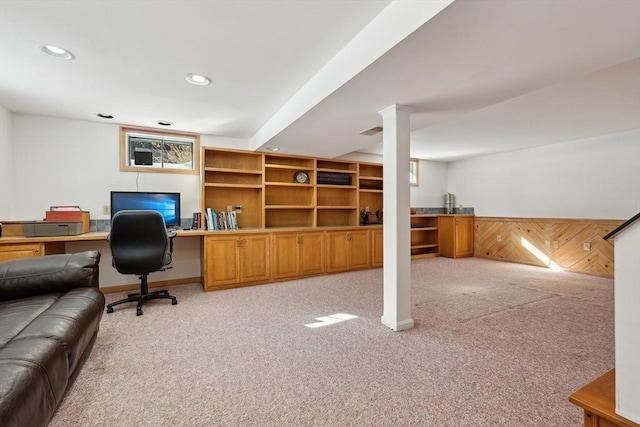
{"x":495,"y":344}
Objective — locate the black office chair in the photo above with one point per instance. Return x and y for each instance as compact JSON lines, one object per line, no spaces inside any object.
{"x":140,"y":244}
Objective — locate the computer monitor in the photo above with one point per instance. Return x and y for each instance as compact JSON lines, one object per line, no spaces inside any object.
{"x":168,"y":204}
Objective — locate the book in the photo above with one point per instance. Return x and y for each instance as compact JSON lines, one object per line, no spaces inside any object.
{"x":196,"y":223}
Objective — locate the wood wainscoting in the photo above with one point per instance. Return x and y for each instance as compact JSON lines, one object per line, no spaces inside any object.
{"x":572,"y":244}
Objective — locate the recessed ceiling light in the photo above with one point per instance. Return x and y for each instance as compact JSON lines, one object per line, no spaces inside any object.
{"x":164,"y":123}
{"x":55,"y":51}
{"x":199,"y":80}
{"x":104,"y":116}
{"x":273,"y":148}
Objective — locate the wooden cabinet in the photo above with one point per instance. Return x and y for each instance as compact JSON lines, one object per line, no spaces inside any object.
{"x":297,"y":254}
{"x":234,"y":259}
{"x":456,"y":236}
{"x":377,"y":248}
{"x":26,"y":250}
{"x":348,"y":250}
{"x":424,"y":236}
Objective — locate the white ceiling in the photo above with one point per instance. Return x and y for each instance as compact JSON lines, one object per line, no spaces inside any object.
{"x":308,"y":76}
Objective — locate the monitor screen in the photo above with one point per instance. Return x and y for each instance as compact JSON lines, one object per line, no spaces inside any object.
{"x":168,"y":204}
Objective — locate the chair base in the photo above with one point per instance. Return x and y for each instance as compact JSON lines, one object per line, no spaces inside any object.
{"x":143,"y":297}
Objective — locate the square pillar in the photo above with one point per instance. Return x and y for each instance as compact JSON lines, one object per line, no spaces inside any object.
{"x":397,"y":228}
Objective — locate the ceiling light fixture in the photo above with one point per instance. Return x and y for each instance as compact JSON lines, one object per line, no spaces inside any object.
{"x":198,"y":80}
{"x":55,"y":51}
{"x":164,"y":123}
{"x":273,"y":148}
{"x":104,"y":116}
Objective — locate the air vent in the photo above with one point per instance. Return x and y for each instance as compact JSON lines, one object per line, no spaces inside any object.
{"x":371,"y":131}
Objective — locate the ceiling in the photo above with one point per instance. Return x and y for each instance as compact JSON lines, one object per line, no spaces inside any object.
{"x":308,"y":76}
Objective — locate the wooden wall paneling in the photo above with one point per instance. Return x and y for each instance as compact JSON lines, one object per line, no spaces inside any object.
{"x":545,"y":242}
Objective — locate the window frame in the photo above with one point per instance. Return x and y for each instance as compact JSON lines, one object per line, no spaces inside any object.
{"x":156,"y":133}
{"x":414,"y":166}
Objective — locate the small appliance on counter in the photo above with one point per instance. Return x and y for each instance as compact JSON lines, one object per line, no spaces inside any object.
{"x":368,"y":217}
{"x":449,"y":203}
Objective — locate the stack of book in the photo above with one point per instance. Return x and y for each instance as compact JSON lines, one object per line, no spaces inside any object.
{"x":223,"y":220}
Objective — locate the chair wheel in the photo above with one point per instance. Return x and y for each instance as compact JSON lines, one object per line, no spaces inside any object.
{"x":174,"y":301}
{"x":139,"y":312}
{"x":109,"y":309}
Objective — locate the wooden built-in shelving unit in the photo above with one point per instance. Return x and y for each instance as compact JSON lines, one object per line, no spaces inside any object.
{"x":232,"y":178}
{"x":264,"y":186}
{"x":424,"y":236}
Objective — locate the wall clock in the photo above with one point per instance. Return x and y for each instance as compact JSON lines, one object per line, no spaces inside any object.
{"x":301,"y":177}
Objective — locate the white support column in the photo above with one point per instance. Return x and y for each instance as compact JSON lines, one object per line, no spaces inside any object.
{"x":397,"y":232}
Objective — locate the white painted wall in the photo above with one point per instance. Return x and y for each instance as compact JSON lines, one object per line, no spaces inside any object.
{"x":590,"y":178}
{"x":6,"y":169}
{"x":627,"y":322}
{"x":72,"y":162}
{"x":432,"y":179}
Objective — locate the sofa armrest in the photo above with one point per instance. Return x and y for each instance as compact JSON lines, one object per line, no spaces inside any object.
{"x":25,"y":277}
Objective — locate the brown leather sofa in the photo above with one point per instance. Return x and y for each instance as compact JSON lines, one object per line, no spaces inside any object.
{"x":50,"y":311}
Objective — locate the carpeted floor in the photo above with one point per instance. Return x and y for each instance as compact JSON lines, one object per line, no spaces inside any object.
{"x":495,"y":344}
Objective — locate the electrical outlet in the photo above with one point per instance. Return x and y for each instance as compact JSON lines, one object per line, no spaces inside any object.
{"x":228,"y":208}
{"x":586,"y":246}
{"x":106,"y":210}
{"x":499,"y":238}
{"x":547,"y":243}
{"x":556,"y":244}
{"x":238,"y":208}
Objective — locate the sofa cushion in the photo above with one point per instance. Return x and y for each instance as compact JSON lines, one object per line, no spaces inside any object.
{"x":15,"y":315}
{"x":33,"y":378}
{"x":72,"y":321}
{"x":26,"y":277}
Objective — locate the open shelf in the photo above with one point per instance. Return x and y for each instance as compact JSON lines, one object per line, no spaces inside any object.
{"x":424,"y":236}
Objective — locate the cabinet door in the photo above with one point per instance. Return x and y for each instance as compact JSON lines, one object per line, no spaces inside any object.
{"x":284,"y":250}
{"x":8,"y":252}
{"x":359,"y":256}
{"x":254,"y":257}
{"x":221,"y":261}
{"x":337,"y":251}
{"x":377,"y":245}
{"x":464,"y":237}
{"x":311,"y":247}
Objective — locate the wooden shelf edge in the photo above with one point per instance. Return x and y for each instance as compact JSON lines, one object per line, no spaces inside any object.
{"x":420,"y":256}
{"x":222,"y":185}
{"x":306,"y":207}
{"x":289,"y":167}
{"x":229,"y":170}
{"x":345,"y":171}
{"x":337,"y":207}
{"x":287,"y":184}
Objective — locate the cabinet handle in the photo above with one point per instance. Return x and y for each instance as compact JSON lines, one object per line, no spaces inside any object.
{"x":300,"y":239}
{"x":240,"y":243}
{"x":348,"y":236}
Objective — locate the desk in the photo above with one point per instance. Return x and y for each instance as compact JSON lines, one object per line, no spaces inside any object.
{"x":598,"y":401}
{"x":20,"y":247}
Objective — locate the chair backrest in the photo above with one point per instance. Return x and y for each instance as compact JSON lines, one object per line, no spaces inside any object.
{"x":138,"y":241}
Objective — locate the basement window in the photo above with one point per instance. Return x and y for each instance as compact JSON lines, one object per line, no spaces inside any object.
{"x":413,"y":173}
{"x":148,"y":150}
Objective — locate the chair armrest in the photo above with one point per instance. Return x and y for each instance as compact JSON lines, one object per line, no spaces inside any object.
{"x":25,"y":277}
